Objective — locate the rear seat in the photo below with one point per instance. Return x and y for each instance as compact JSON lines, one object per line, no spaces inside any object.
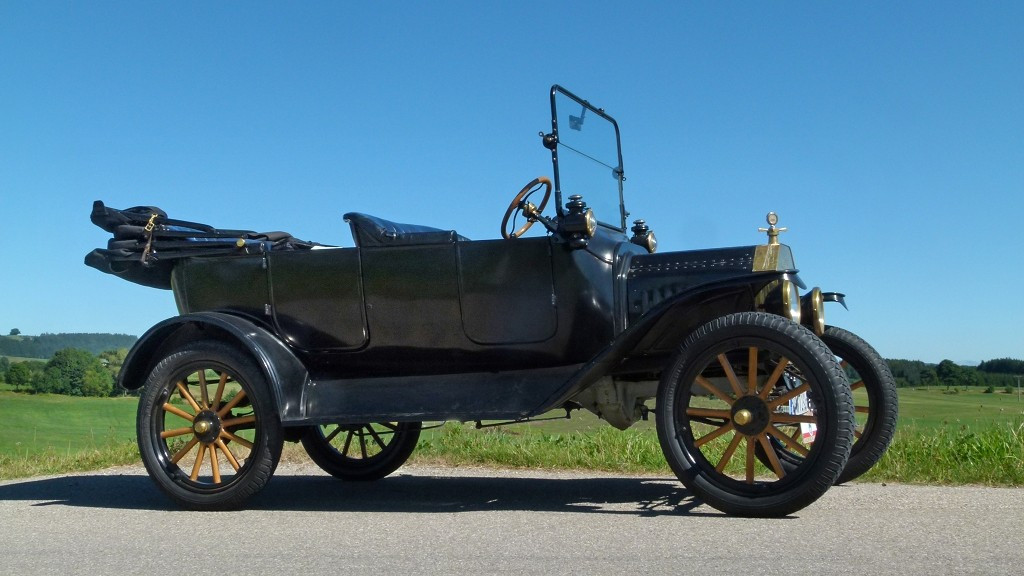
{"x":370,"y":231}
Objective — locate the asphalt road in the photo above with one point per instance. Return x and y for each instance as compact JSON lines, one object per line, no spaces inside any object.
{"x":456,"y":521}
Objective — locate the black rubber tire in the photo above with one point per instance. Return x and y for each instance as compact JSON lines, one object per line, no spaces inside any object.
{"x":866,"y":369}
{"x":206,"y":424}
{"x":810,"y":364}
{"x":379,"y":448}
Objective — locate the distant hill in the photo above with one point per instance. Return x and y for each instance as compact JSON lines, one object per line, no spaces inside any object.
{"x":45,"y":345}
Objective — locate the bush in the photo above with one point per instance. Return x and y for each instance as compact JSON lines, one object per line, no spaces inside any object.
{"x":75,"y":373}
{"x":990,"y":390}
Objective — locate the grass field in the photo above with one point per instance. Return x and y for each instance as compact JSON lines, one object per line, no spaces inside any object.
{"x":967,"y":437}
{"x":935,"y":408}
{"x":34,"y":424}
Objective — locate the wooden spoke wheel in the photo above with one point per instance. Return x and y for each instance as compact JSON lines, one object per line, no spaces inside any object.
{"x":361,"y":451}
{"x":753,"y":384}
{"x":874,"y":398}
{"x":875,"y":402}
{"x":207,"y":431}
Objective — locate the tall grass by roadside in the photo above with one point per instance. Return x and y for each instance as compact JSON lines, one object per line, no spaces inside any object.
{"x":52,"y":461}
{"x":991,"y":456}
{"x":630,"y":451}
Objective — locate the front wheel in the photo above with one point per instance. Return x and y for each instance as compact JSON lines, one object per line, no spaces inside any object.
{"x":740,"y":384}
{"x":208,"y":432}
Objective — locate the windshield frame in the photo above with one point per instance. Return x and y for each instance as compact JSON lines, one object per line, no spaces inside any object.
{"x":620,"y":224}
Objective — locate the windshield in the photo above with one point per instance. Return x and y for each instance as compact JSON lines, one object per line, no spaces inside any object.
{"x":587,"y":160}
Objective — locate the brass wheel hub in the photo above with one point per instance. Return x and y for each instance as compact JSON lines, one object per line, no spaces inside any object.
{"x":743,"y":417}
{"x":751,"y":415}
{"x":206,"y":426}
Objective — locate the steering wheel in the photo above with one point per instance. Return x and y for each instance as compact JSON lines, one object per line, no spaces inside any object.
{"x":521,"y":204}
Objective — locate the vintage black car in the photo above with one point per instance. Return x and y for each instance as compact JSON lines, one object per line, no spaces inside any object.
{"x":351,"y":350}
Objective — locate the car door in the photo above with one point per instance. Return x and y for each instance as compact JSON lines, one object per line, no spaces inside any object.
{"x":506,"y":290}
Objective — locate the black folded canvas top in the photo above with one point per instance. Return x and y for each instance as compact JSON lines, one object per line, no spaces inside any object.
{"x":145,"y":243}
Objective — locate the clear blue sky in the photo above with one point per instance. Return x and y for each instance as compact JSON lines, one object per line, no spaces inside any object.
{"x":889,"y":136}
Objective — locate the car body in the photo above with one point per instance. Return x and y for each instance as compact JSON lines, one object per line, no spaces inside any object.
{"x":344,"y":347}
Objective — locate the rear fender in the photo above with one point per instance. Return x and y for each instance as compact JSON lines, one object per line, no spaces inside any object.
{"x":285,"y":373}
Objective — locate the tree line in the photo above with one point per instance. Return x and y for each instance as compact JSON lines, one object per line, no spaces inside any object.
{"x":79,"y":372}
{"x":71,"y":371}
{"x":47,"y":345}
{"x":999,"y":374}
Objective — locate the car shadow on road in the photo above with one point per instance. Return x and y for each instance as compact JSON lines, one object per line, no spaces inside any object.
{"x":409,"y":493}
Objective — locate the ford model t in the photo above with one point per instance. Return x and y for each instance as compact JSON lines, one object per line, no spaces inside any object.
{"x":350,"y":350}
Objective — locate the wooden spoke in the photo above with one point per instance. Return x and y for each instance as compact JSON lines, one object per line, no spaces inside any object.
{"x":727,"y":427}
{"x":198,"y":463}
{"x":187,"y":396}
{"x":219,"y":395}
{"x":790,"y":442}
{"x":711,"y":388}
{"x":730,"y":374}
{"x":729,"y":452}
{"x":176,"y":432}
{"x":235,"y":422}
{"x":376,"y":437}
{"x":857,"y":385}
{"x":858,"y":431}
{"x":751,"y":457}
{"x":168,"y":407}
{"x":862,"y":409}
{"x":205,"y":389}
{"x":752,"y":370}
{"x":778,"y":418}
{"x":708,"y":413}
{"x":204,"y":394}
{"x":215,"y":465}
{"x":234,"y":402}
{"x":227,"y":454}
{"x":348,"y":443}
{"x":362,"y":444}
{"x":236,"y":439}
{"x":332,"y":435}
{"x":780,"y":369}
{"x":773,"y":458}
{"x":181,"y":453}
{"x":785,"y":398}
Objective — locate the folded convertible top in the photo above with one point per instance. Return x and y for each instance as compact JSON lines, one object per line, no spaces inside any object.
{"x":146,"y":244}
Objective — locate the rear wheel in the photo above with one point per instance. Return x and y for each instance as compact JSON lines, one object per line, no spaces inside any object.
{"x":874,"y":397}
{"x":207,"y":429}
{"x":875,"y":403}
{"x":361,"y":451}
{"x":740,"y":384}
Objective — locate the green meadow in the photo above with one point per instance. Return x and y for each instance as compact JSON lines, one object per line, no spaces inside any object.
{"x":35,"y":424}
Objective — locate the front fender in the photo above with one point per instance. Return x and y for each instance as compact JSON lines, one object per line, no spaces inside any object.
{"x":649,"y":341}
{"x":285,"y":373}
{"x":663,"y":328}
